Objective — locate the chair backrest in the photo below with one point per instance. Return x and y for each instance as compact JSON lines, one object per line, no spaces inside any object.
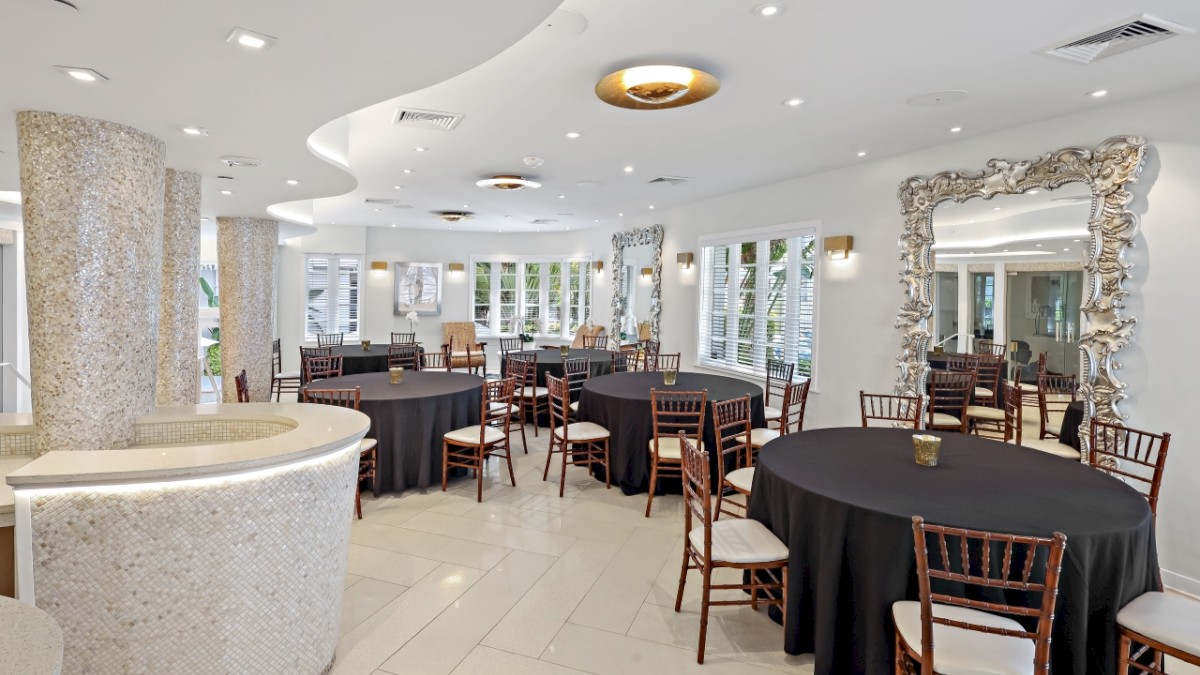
{"x":321,"y":367}
{"x":407,"y":355}
{"x":731,"y":422}
{"x":1013,"y":403}
{"x":678,"y":412}
{"x":998,"y":349}
{"x":1131,"y":455}
{"x":795,"y":401}
{"x":404,"y":338}
{"x":657,"y":362}
{"x":459,"y":335}
{"x":1055,"y":394}
{"x":510,"y":344}
{"x":653,"y":347}
{"x":329,"y":339}
{"x":890,"y":409}
{"x":779,"y":375}
{"x":987,"y":372}
{"x":343,"y":398}
{"x":496,"y":406}
{"x":560,"y":403}
{"x":243,"y":388}
{"x":276,"y":358}
{"x":576,"y":372}
{"x":518,"y":366}
{"x":595,"y":342}
{"x":697,"y":490}
{"x":1027,"y":566}
{"x":306,"y":352}
{"x":962,"y":362}
{"x":624,"y":362}
{"x":950,"y":392}
{"x":436,"y":359}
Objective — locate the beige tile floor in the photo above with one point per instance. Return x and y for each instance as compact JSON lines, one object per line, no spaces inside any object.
{"x":530,"y":583}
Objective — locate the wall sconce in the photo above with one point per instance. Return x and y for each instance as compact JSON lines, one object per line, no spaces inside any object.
{"x":647,"y":272}
{"x":839,"y":248}
{"x":684,"y":260}
{"x":456,"y":269}
{"x":598,"y":266}
{"x":379,"y":268}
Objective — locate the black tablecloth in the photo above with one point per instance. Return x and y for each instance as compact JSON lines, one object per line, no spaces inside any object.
{"x":843,"y":500}
{"x":1072,"y":418}
{"x":409,"y":419}
{"x":355,"y":360}
{"x":620,"y":402}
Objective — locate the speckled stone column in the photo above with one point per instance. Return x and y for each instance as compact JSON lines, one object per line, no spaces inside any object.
{"x":178,"y":371}
{"x":92,"y":203}
{"x":246,"y":270}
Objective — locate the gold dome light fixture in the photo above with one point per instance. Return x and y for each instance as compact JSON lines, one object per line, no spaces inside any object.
{"x":656,"y":87}
{"x":454,"y":216}
{"x":507,"y":182}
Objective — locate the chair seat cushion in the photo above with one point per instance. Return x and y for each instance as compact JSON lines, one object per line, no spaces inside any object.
{"x":1027,"y":386}
{"x":772,"y":413}
{"x":513,"y":408}
{"x":1169,"y":618}
{"x":944,"y":420}
{"x":574,"y":406}
{"x":533,"y":392}
{"x":366,"y":445}
{"x":741,"y":479}
{"x":470,"y":435}
{"x":582,"y":431}
{"x":958,"y":651}
{"x":983,"y":412}
{"x":1053,"y":420}
{"x":759,"y":437}
{"x":983,"y":392}
{"x":1052,"y":446}
{"x":740,"y":540}
{"x":668,"y":447}
{"x":288,"y":375}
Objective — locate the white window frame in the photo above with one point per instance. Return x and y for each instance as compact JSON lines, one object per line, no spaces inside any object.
{"x":736,"y":239}
{"x":494,"y":328}
{"x":332,"y":295}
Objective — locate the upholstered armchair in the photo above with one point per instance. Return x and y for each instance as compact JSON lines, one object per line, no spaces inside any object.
{"x":465,"y":350}
{"x":585,"y":331}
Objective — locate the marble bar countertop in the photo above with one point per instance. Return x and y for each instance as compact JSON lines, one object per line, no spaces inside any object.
{"x":314,"y":430}
{"x":31,"y":642}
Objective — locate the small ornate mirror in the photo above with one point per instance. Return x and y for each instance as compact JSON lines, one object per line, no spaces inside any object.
{"x":636,"y":298}
{"x":1103,"y":328}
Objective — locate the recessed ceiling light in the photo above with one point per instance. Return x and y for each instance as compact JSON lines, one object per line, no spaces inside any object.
{"x":81,"y":74}
{"x":195,"y":131}
{"x":466,"y":206}
{"x":250,"y":39}
{"x":1098,"y":93}
{"x":970,"y":220}
{"x":1066,"y":250}
{"x":955,"y":130}
{"x":1006,"y":250}
{"x":970,"y":252}
{"x":292,"y":181}
{"x":629,"y":169}
{"x":1038,"y":245}
{"x":767,"y":10}
{"x":651,"y":206}
{"x":862,"y":153}
{"x":420,"y":149}
{"x":333,"y":222}
{"x":378,"y":210}
{"x":596,"y":220}
{"x":397,"y":187}
{"x":1078,"y":240}
{"x":572,"y":135}
{"x":995,"y":208}
{"x":562,"y":196}
{"x":621,"y":215}
{"x":793,"y":102}
{"x":407,"y":171}
{"x":226,"y":192}
{"x":1031,"y":192}
{"x":393,"y":224}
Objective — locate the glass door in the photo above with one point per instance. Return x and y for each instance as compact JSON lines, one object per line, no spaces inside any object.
{"x":1043,"y":318}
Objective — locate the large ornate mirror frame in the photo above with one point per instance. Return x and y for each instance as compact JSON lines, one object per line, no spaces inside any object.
{"x":1104,"y":329}
{"x":652,"y":235}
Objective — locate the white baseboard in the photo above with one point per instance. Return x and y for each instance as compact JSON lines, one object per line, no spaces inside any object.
{"x":1179,"y":582}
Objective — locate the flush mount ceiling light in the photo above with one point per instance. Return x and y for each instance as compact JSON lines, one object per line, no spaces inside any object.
{"x":81,"y":74}
{"x":656,"y":87}
{"x":195,"y":131}
{"x":250,"y":39}
{"x":454,"y":216}
{"x":507,"y":182}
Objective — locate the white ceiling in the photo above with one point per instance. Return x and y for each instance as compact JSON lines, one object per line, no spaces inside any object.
{"x":169,"y":66}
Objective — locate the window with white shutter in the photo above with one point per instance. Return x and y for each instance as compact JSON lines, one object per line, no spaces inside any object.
{"x":332,"y":295}
{"x":538,"y":295}
{"x":757,"y":300}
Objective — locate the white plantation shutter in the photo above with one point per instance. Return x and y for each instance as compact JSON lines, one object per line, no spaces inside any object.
{"x":757,"y":300}
{"x":332,"y":295}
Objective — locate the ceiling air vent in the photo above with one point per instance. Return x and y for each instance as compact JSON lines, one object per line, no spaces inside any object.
{"x":426,"y":119}
{"x":543,"y":221}
{"x":383,"y":201}
{"x":670,"y":180}
{"x":1116,"y":39}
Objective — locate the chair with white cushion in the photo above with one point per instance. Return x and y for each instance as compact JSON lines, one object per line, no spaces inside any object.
{"x":738,"y":543}
{"x":470,"y":447}
{"x":1014,"y":402}
{"x":987,"y":380}
{"x":350,"y":398}
{"x":516,"y":366}
{"x":282,"y":381}
{"x":779,"y":375}
{"x":576,"y":372}
{"x":674,"y":413}
{"x":1135,"y":457}
{"x":1055,"y":393}
{"x":735,"y":461}
{"x":534,"y":400}
{"x":308,"y":352}
{"x":795,"y":402}
{"x":579,"y":443}
{"x":1155,"y":624}
{"x":949,"y":395}
{"x":967,"y":639}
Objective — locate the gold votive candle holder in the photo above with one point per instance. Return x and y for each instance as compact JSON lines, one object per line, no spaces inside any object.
{"x":926,"y":448}
{"x":669,"y":376}
{"x":564,"y":350}
{"x":396,"y":375}
{"x":366,"y":345}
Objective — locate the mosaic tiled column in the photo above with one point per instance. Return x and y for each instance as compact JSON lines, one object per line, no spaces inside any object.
{"x":92,"y":202}
{"x":178,"y":372}
{"x":246,"y":271}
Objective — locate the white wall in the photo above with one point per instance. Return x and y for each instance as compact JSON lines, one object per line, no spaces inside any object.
{"x":858,"y":299}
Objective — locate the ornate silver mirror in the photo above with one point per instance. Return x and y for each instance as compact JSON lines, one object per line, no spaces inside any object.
{"x":1049,"y":295}
{"x":636,"y":297}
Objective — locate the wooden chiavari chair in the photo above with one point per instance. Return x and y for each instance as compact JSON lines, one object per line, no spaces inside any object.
{"x":242,"y":386}
{"x":1055,"y":393}
{"x":740,"y":543}
{"x":406,"y":355}
{"x":1029,"y":389}
{"x":595,"y":342}
{"x":660,"y":362}
{"x":731,"y":422}
{"x":779,"y":374}
{"x":949,"y":396}
{"x":330,"y":339}
{"x":436,"y":360}
{"x":404,"y":338}
{"x":306,"y":352}
{"x":795,"y":401}
{"x":580,"y":443}
{"x":624,"y":362}
{"x":282,"y":381}
{"x":1014,"y":404}
{"x":367,"y":454}
{"x":890,"y":409}
{"x":510,"y":344}
{"x":997,"y":349}
{"x":516,"y":368}
{"x":470,"y":447}
{"x":674,"y":413}
{"x":967,"y":638}
{"x":534,"y":400}
{"x":987,"y":380}
{"x":1135,"y":457}
{"x":1157,"y":624}
{"x":576,"y":372}
{"x":322,"y":367}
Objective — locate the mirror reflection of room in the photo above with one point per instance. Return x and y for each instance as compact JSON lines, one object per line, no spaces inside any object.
{"x":636,"y":289}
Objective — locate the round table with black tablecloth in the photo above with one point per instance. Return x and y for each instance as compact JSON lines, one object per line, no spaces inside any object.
{"x":1072,"y":418}
{"x":550,"y":361}
{"x":356,"y":360}
{"x":843,"y":500}
{"x":620,"y":402}
{"x":409,"y":419}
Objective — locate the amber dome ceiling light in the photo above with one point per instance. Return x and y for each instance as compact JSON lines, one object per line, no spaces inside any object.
{"x":507,"y":182}
{"x":656,"y":87}
{"x":454,"y":216}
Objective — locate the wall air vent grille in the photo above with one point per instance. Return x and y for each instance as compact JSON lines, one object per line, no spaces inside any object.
{"x":426,"y":119}
{"x":1117,"y":39}
{"x":670,"y":180}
